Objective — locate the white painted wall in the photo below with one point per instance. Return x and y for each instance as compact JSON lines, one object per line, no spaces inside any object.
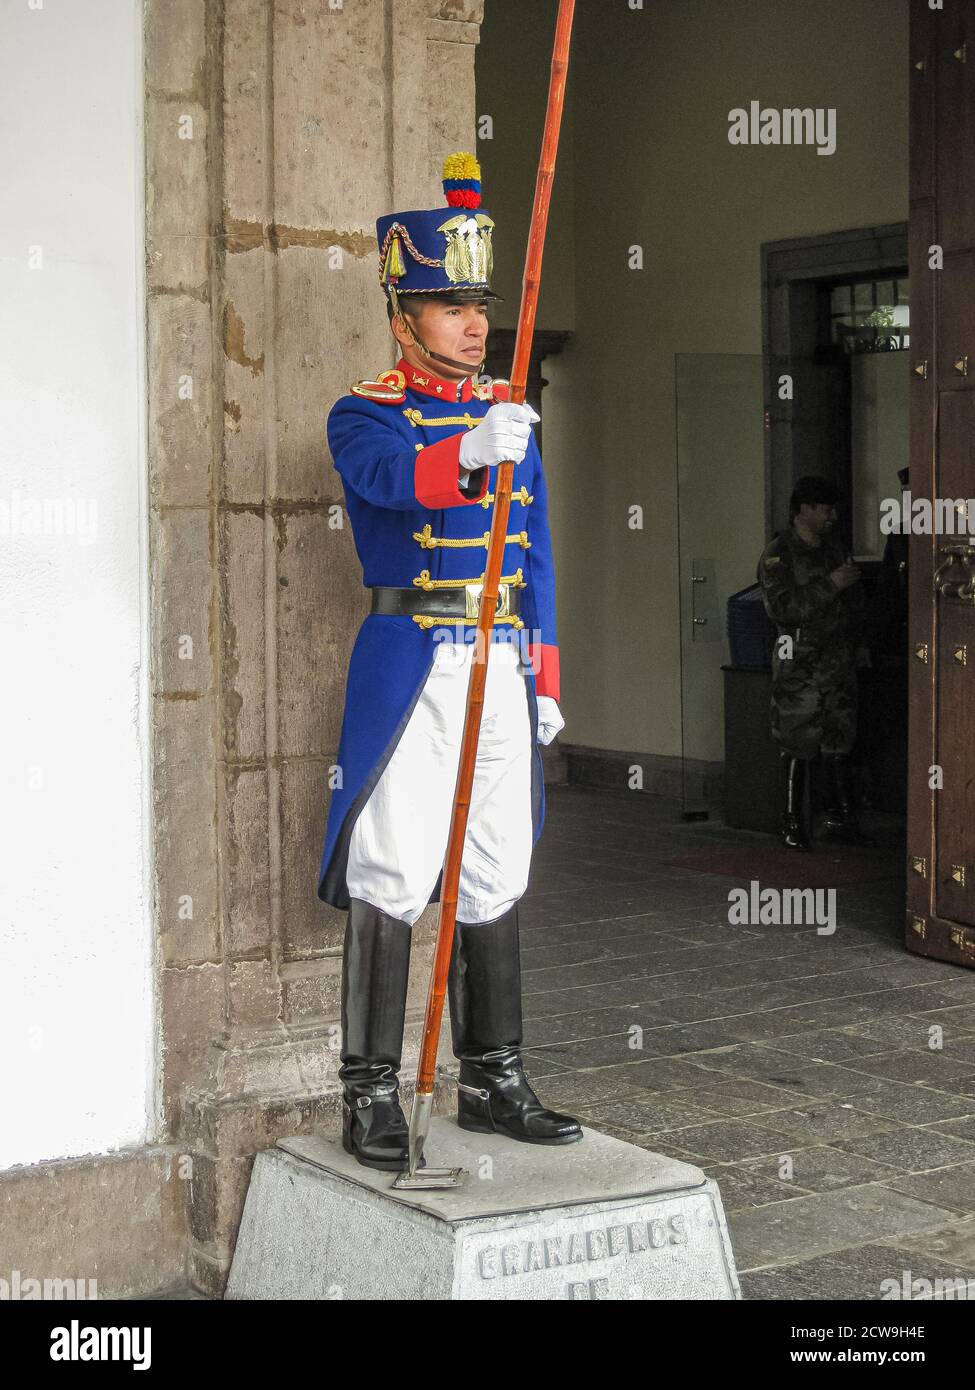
{"x":77,"y":1065}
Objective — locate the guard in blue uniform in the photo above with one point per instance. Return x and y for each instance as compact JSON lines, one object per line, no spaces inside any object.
{"x":417,"y":450}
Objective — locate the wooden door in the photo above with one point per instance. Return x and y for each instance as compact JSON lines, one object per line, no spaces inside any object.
{"x":941,"y":761}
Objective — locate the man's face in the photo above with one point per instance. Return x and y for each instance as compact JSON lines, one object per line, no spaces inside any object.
{"x":820,"y":517}
{"x":458,"y":331}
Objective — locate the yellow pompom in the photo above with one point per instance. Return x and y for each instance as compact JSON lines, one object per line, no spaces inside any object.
{"x":461,"y":166}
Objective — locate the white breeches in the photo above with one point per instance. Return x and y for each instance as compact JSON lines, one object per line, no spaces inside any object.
{"x":399,"y":840}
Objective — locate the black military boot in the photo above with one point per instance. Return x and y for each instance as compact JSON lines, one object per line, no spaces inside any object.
{"x":842,"y":821}
{"x":494,"y":1096}
{"x":793,"y":781}
{"x":375,"y":974}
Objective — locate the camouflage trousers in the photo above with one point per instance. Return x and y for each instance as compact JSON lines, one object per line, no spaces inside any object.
{"x":814,"y":700}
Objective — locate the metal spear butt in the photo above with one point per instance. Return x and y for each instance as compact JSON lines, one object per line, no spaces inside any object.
{"x":416,"y":1178}
{"x":427,"y":1178}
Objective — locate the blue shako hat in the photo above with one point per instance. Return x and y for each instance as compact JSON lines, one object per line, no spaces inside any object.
{"x":445,"y":250}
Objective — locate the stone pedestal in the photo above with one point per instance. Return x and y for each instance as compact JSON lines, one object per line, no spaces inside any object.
{"x":597,"y":1220}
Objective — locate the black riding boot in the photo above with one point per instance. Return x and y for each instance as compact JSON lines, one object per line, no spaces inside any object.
{"x":793,"y":781}
{"x":375,"y":974}
{"x":494,"y":1096}
{"x":842,"y":821}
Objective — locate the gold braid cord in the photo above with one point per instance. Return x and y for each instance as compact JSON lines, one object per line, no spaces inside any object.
{"x":397,"y":229}
{"x":429,"y":541}
{"x":425,"y":621}
{"x":416,"y":419}
{"x":523,"y":496}
{"x":423,"y":581}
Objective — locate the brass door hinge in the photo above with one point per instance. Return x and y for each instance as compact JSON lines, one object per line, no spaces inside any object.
{"x":962,"y":939}
{"x":919,"y":864}
{"x":958,"y":874}
{"x":921,"y":652}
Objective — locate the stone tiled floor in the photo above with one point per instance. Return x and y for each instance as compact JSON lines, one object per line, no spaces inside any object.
{"x":795,"y":1068}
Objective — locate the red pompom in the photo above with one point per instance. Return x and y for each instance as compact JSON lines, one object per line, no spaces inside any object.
{"x":463,"y":198}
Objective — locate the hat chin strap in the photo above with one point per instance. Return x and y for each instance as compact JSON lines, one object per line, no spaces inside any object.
{"x":464,"y":367}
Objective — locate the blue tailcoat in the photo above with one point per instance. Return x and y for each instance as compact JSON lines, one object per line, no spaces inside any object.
{"x":398,"y":460}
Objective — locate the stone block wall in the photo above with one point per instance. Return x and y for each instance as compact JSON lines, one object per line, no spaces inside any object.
{"x":276,"y":132}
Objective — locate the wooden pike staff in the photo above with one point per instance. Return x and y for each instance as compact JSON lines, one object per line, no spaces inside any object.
{"x":423,"y":1100}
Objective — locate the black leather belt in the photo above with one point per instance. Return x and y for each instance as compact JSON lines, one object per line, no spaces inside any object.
{"x":436,"y":603}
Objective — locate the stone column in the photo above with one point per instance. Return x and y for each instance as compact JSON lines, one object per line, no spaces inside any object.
{"x":276,"y":133}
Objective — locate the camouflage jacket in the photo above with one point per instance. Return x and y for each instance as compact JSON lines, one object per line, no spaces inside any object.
{"x":799,"y":595}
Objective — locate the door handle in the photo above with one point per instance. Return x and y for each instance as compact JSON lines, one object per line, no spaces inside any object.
{"x":955,"y":576}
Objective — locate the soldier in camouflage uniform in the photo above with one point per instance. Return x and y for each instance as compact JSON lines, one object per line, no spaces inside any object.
{"x":812,"y":592}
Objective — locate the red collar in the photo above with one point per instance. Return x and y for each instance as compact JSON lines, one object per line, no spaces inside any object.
{"x":437,"y":386}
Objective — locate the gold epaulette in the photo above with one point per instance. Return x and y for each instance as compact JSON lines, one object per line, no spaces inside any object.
{"x":389,"y":388}
{"x":498,"y":389}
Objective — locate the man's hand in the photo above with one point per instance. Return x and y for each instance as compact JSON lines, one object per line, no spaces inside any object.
{"x":550,"y":720}
{"x":846,"y":575}
{"x":503,"y":434}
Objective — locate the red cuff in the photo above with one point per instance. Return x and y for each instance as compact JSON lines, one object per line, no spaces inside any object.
{"x":436,"y":477}
{"x":545,"y":663}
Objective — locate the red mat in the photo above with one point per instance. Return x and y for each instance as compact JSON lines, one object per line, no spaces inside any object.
{"x":815,"y":869}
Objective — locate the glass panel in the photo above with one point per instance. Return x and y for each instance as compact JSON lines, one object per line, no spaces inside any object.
{"x":863,"y":297}
{"x":840,"y":299}
{"x":878,"y":321}
{"x":842,"y":328}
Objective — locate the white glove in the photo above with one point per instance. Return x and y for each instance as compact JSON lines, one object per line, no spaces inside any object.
{"x":550,"y":720}
{"x":503,"y":434}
